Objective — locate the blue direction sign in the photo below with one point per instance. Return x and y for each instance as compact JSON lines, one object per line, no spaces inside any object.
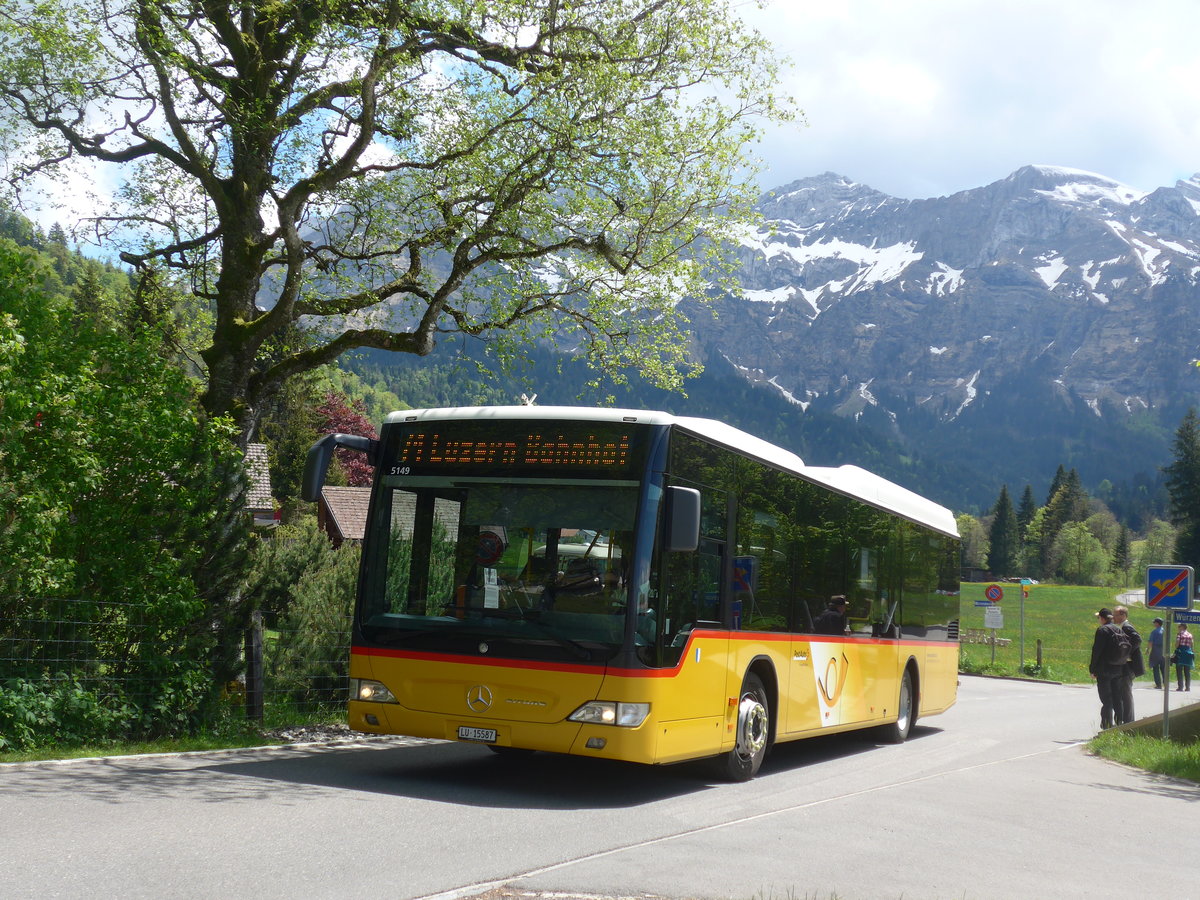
{"x":1168,"y":587}
{"x":1188,"y":618}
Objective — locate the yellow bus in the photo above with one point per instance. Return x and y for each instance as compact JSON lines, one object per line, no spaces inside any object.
{"x":639,"y":586}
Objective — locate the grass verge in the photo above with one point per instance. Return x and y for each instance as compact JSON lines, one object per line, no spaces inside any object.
{"x":228,"y":734}
{"x":133,"y":748}
{"x":231,"y":732}
{"x":1154,"y":754}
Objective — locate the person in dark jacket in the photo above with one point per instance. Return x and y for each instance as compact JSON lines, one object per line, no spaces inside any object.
{"x":1108,"y":675}
{"x":1135,"y":668}
{"x":833,"y":620}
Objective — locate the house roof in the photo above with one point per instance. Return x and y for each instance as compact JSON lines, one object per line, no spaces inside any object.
{"x":347,"y":508}
{"x":259,"y":496}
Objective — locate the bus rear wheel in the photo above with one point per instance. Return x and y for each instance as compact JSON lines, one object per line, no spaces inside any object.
{"x":753,"y":733}
{"x":897,"y":732}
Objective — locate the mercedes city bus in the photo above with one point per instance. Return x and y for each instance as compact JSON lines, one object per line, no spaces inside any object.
{"x":638,"y":586}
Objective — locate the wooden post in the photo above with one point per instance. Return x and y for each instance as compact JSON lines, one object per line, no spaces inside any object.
{"x":254,"y":668}
{"x":1039,"y":654}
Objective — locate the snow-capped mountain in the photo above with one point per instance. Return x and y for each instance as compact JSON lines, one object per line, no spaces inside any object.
{"x":1063,"y":286}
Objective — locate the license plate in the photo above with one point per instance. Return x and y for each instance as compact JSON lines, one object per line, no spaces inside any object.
{"x":467,"y":733}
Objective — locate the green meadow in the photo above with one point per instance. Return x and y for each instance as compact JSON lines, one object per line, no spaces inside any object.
{"x":1059,"y":624}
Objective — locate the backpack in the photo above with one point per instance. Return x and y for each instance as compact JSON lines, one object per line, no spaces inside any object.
{"x":1120,"y":648}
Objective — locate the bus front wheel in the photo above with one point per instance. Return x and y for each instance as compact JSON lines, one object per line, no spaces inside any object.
{"x":753,"y":732}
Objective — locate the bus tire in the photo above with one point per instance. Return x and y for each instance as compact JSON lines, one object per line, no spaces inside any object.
{"x":753,"y":733}
{"x":906,"y":713}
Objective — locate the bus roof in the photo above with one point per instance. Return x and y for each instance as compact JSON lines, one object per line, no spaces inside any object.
{"x":849,"y":480}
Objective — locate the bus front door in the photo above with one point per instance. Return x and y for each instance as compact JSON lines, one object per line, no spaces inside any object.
{"x":801,"y":711}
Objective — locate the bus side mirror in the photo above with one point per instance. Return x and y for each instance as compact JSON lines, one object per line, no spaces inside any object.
{"x":683,"y":520}
{"x":316,"y":464}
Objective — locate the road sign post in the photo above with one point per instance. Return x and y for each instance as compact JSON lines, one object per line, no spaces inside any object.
{"x":1169,"y":587}
{"x":993,"y":618}
{"x":1026,"y":583}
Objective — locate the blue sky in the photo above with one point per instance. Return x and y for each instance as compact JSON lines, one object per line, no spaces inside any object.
{"x":924,"y":98}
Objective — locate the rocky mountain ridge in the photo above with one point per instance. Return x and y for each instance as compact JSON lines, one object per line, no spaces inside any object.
{"x":1070,"y":273}
{"x":1046,"y":297}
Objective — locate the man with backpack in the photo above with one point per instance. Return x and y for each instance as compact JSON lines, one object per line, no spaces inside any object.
{"x":1134,"y":668}
{"x":1107,"y":665}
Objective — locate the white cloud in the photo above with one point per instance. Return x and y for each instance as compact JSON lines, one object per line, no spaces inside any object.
{"x":931,"y":97}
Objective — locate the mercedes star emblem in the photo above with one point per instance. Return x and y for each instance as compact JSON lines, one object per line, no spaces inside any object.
{"x":479,"y":698}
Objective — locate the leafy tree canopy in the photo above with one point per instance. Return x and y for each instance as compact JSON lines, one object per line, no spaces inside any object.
{"x":388,"y":171}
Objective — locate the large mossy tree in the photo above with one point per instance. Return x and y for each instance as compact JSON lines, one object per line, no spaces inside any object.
{"x":386,"y":171}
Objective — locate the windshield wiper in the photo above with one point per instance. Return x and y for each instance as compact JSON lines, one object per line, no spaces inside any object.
{"x":533,"y":616}
{"x":386,"y":634}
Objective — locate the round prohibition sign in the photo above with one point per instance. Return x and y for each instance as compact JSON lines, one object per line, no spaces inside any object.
{"x":995,"y":593}
{"x":489,"y":549}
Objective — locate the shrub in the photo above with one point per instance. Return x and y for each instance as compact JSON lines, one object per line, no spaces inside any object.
{"x":58,"y":711}
{"x":311,"y":658}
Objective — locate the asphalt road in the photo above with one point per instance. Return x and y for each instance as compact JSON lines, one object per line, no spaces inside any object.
{"x":995,"y":799}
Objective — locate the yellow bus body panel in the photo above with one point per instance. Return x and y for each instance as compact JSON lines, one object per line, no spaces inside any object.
{"x":817,"y":685}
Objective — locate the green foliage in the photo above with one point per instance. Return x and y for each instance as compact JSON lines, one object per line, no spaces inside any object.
{"x":1003,"y":537}
{"x":290,"y":426}
{"x":1183,"y":482}
{"x":1122,"y":557}
{"x":1026,"y":510}
{"x":1154,"y":754}
{"x":1081,"y":557}
{"x":974,"y":546}
{"x":573,"y":169}
{"x":1157,"y":548}
{"x":59,"y":710}
{"x":377,"y":399}
{"x":282,"y":560}
{"x":311,"y":405}
{"x":311,"y":660}
{"x":122,"y":513}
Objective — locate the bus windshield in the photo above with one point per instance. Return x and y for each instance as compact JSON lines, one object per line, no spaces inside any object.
{"x":537,"y":566}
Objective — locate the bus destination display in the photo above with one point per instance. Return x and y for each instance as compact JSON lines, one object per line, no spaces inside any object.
{"x":529,"y":447}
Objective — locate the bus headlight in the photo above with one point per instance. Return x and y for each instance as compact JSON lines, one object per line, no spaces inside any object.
{"x":604,"y":712}
{"x":370,"y":691}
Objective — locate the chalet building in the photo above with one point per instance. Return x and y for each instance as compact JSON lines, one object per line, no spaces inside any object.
{"x":260,"y":502}
{"x":342,"y":513}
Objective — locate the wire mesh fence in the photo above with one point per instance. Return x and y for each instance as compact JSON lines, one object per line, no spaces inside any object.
{"x":89,"y":670}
